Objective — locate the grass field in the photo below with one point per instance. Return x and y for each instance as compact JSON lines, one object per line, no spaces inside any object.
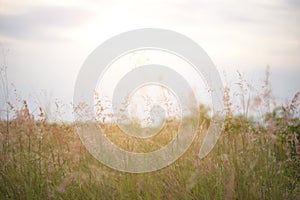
{"x":255,"y":158}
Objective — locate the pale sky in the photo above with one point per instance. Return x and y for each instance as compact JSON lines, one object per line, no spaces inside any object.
{"x":46,"y":42}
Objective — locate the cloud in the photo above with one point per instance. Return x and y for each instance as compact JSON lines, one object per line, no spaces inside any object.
{"x":42,"y":22}
{"x":294,"y":3}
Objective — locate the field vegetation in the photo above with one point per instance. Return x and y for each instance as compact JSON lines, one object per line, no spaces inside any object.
{"x":256,"y":157}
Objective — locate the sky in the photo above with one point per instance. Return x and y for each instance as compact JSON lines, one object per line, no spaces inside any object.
{"x":44,"y":43}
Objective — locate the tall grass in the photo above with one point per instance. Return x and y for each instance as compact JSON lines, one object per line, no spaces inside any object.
{"x":255,"y":158}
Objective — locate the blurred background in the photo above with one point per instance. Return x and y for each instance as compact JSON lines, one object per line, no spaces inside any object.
{"x":44,"y":43}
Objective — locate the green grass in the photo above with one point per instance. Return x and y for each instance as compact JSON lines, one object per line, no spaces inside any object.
{"x":255,"y":157}
{"x":47,"y":161}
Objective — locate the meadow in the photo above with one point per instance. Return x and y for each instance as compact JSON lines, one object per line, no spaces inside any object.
{"x":256,"y":157}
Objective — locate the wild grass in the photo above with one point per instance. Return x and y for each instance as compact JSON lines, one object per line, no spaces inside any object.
{"x":255,"y":158}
